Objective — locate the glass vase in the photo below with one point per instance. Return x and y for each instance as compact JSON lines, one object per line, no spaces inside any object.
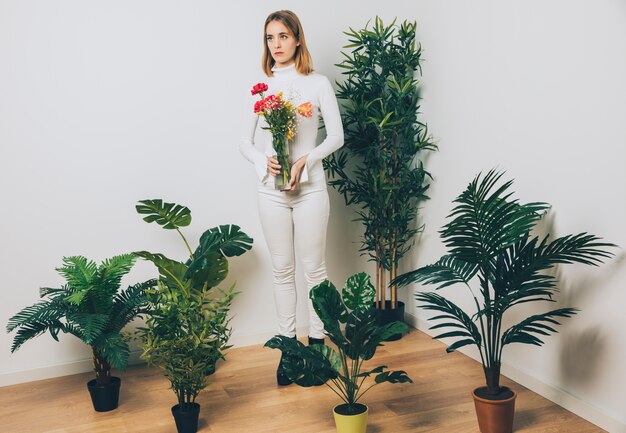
{"x":281,"y":147}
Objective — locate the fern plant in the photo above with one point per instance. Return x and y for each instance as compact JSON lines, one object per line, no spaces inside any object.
{"x":188,"y":328}
{"x":379,"y":169}
{"x":489,"y":240}
{"x":89,"y":306}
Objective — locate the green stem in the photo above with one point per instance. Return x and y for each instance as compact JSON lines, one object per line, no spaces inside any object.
{"x":483,"y":356}
{"x":363,"y":393}
{"x":186,"y":244}
{"x":488,"y":334}
{"x":341,"y":395}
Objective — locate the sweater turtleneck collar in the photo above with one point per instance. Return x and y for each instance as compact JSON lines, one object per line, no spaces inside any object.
{"x":286,"y":72}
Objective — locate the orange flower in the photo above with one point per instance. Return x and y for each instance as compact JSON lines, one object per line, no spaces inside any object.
{"x":306,"y":109}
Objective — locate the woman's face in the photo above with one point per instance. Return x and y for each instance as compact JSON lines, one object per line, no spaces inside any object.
{"x":281,"y":43}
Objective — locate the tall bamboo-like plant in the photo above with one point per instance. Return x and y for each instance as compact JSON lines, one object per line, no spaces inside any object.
{"x":89,"y":306}
{"x":489,"y":240}
{"x":188,"y":328}
{"x":378,"y":169}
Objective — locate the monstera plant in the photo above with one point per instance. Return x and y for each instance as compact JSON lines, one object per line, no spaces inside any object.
{"x":91,"y":307}
{"x":188,"y":328}
{"x":342,"y":370}
{"x":490,"y":243}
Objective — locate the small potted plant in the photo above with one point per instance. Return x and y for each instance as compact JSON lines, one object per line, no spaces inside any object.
{"x":342,"y":370}
{"x":188,"y":327}
{"x":490,"y":242}
{"x":91,"y":307}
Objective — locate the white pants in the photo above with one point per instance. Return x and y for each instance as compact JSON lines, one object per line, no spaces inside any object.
{"x":295,"y":222}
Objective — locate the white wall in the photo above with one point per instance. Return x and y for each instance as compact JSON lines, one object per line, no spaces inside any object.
{"x":537,"y":88}
{"x":106,"y":103}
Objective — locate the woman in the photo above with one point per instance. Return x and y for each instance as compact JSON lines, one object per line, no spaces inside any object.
{"x":294,"y":222}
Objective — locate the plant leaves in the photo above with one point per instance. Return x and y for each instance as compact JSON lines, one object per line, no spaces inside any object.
{"x":170,"y":216}
{"x":358,"y":293}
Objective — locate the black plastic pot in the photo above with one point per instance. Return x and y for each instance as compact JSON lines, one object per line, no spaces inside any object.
{"x":105,"y":397}
{"x":388,"y":315}
{"x":186,"y":421}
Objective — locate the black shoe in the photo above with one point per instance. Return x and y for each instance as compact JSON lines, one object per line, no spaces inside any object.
{"x":313,"y":341}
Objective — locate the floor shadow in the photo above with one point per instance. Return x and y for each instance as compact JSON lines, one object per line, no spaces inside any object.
{"x":374,"y":429}
{"x":524,"y":418}
{"x":202,"y":423}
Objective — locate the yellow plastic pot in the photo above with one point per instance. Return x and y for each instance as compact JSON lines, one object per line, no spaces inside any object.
{"x":350,"y":423}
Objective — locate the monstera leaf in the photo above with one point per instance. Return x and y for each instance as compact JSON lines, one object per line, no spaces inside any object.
{"x":358,"y":292}
{"x":171,"y":271}
{"x":227,"y":239}
{"x":208,"y":269}
{"x":306,"y":365}
{"x":170,"y":216}
{"x":330,"y":309}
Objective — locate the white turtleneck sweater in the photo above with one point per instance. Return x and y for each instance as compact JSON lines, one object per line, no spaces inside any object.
{"x":298,"y":89}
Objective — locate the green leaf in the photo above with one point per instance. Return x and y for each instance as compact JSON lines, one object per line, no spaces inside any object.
{"x":171,"y":271}
{"x":208,"y":269}
{"x":330,"y":309}
{"x":394,"y":328}
{"x":33,"y":329}
{"x":78,"y":272}
{"x":91,"y":325}
{"x":358,"y":293}
{"x":526,"y":330}
{"x":456,"y":317}
{"x":448,"y":270}
{"x":227,"y":239}
{"x":382,"y":123}
{"x":393,"y":377}
{"x":114,"y":350}
{"x":168,"y":215}
{"x":486,"y":220}
{"x":306,"y":366}
{"x":459,"y":343}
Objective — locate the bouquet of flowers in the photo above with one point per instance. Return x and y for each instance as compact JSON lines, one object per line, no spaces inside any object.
{"x":281,"y":117}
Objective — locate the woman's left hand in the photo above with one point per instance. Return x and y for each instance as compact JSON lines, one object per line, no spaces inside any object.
{"x":296,"y":172}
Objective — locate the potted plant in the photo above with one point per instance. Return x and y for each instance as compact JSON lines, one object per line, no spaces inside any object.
{"x":188,"y":327}
{"x":489,"y":241}
{"x":342,"y":370}
{"x":91,"y":307}
{"x":379,"y":169}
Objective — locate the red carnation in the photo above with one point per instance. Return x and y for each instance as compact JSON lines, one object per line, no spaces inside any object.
{"x":259,"y":88}
{"x":272,"y":102}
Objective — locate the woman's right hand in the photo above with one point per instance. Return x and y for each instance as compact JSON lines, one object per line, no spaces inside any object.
{"x":273,"y":167}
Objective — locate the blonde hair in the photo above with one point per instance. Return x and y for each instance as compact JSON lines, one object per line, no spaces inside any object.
{"x":302,"y":57}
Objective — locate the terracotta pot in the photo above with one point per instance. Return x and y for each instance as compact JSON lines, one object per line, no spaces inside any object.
{"x":351,"y":423}
{"x":495,"y":416}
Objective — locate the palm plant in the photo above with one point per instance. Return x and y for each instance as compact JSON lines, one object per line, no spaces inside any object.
{"x":188,"y":328}
{"x":89,"y":306}
{"x":489,"y":237}
{"x":379,"y":169}
{"x":341,"y":370}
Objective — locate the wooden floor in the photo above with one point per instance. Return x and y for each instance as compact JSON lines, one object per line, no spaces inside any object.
{"x":244,"y":398}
